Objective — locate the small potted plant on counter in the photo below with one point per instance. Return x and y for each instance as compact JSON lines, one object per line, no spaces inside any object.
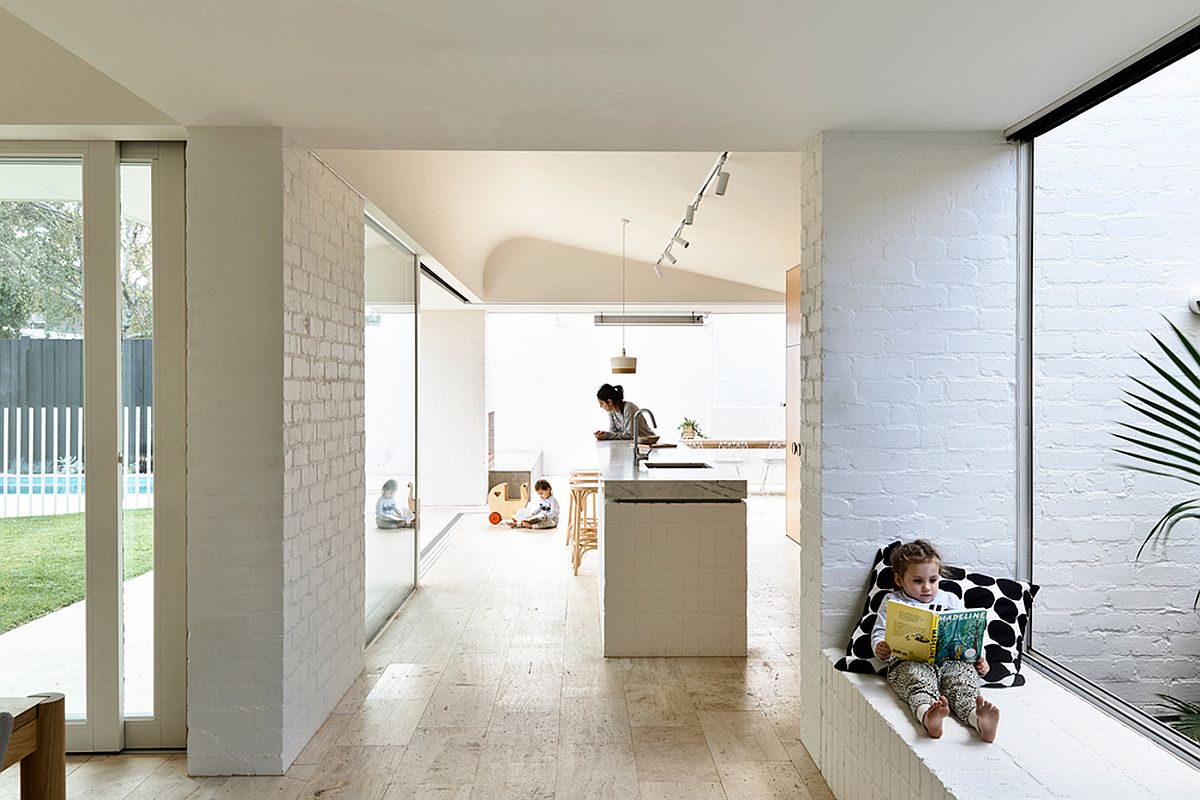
{"x":690,"y":429}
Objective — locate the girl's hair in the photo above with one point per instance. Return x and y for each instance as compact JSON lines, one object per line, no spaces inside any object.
{"x":543,"y":484}
{"x":918,"y":551}
{"x":611,"y":394}
{"x":389,"y":485}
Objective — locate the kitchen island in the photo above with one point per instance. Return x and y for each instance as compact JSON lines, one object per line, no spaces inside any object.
{"x":672,"y":555}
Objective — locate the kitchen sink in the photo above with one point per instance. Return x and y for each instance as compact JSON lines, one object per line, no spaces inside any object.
{"x":677,"y":465}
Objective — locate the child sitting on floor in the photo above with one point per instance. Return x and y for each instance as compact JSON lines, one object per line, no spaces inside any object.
{"x":932,"y":691}
{"x":388,"y":513}
{"x":542,"y":511}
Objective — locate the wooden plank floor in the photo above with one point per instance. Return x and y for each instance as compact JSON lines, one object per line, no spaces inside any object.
{"x":489,"y":684}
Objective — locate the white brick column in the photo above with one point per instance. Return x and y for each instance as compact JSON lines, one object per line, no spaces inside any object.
{"x":909,"y":249}
{"x":275,"y":571}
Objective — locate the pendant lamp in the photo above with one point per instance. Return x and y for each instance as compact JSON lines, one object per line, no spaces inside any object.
{"x":623,"y":364}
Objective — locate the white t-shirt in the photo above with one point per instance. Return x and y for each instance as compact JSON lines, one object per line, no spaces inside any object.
{"x":539,"y":509}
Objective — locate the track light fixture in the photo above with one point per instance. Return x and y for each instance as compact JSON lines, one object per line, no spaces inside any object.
{"x":722,"y":183}
{"x":721,"y":177}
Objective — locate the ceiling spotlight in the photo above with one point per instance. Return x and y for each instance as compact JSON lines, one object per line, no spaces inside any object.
{"x":679,"y":240}
{"x":722,"y":183}
{"x":658,"y":268}
{"x":667,"y":255}
{"x":689,"y":215}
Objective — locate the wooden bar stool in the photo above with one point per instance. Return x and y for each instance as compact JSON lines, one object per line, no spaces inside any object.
{"x":583,"y":478}
{"x":587,"y":522}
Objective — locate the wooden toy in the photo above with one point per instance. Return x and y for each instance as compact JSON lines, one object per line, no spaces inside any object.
{"x":502,"y":506}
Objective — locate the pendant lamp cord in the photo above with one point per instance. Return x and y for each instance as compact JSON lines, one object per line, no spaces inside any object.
{"x":624,"y":227}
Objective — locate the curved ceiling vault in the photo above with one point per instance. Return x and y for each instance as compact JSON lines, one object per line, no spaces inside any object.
{"x":546,"y":227}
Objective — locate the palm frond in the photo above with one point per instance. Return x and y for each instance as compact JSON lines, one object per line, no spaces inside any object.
{"x":1157,"y":435}
{"x":1182,"y":405}
{"x":1168,"y":520}
{"x":1158,"y":461}
{"x":1180,"y":418}
{"x":1187,"y":715}
{"x":1158,"y":449}
{"x":1164,"y":422}
{"x":1168,"y":448}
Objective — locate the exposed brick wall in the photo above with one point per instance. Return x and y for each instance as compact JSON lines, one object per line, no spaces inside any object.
{"x":811,"y":268}
{"x":275,"y":424}
{"x":235,"y":452}
{"x":323,"y":416}
{"x":1115,"y":246}
{"x":911,"y":243}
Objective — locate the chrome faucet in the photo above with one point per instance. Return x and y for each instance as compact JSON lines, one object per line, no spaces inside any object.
{"x":636,"y":417}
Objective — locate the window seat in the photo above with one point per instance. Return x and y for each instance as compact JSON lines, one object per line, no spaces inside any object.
{"x":1052,"y":744}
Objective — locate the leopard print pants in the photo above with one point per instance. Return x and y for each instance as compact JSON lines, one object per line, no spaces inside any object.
{"x":921,"y":684}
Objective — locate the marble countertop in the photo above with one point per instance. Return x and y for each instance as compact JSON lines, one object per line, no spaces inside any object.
{"x":621,"y":484}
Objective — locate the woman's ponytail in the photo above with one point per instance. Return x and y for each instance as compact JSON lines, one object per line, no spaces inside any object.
{"x":611,"y":394}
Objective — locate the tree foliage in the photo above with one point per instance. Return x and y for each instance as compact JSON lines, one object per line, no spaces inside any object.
{"x":41,"y":270}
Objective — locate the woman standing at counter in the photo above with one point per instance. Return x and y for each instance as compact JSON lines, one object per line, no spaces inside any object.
{"x":620,"y":415}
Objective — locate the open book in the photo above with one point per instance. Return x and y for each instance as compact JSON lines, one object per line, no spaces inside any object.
{"x":917,"y":634}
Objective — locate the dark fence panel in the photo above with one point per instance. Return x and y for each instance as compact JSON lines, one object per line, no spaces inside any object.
{"x":48,"y":374}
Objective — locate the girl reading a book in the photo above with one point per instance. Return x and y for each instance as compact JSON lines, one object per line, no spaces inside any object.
{"x":932,"y":691}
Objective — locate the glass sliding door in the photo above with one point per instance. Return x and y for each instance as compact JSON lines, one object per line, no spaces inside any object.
{"x":80,"y":609}
{"x":392,"y":516}
{"x":42,"y":488}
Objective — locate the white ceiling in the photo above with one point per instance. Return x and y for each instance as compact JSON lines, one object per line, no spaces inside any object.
{"x":470,"y":209}
{"x":618,"y":75}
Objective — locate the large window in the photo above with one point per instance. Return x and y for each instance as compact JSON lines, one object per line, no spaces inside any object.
{"x":1116,"y":442}
{"x":92,"y":496}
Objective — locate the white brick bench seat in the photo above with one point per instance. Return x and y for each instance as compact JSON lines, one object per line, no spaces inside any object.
{"x":1052,"y":744}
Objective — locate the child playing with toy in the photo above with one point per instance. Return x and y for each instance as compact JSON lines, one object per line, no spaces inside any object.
{"x":542,"y":511}
{"x":932,"y":691}
{"x":388,"y":513}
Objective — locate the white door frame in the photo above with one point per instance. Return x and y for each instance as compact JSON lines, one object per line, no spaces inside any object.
{"x":105,"y":729}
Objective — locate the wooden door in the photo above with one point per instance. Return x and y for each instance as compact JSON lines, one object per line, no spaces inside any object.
{"x":795,"y":322}
{"x":794,"y":413}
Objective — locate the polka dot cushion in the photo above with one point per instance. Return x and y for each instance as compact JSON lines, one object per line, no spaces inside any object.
{"x":1008,"y":602}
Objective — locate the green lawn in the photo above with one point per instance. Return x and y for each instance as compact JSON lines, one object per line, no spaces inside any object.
{"x":41,"y":562}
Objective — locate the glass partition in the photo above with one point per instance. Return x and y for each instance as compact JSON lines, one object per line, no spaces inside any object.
{"x":392,"y":515}
{"x":1116,"y":420}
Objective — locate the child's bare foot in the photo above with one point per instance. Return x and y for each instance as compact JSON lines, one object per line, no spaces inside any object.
{"x":988,"y":717}
{"x":934,"y":717}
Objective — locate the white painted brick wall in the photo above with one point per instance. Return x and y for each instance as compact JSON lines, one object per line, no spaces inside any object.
{"x":452,"y":416}
{"x":1118,"y":196}
{"x":275,"y":570}
{"x":910,"y":267}
{"x":918,"y":339}
{"x":235,"y":451}
{"x":811,"y":263}
{"x":863,"y":755}
{"x":323,"y":412}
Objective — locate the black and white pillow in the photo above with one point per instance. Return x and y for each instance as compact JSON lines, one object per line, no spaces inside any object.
{"x":1007,"y":601}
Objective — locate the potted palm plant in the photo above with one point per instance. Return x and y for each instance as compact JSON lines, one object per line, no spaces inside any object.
{"x":1167,"y":443}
